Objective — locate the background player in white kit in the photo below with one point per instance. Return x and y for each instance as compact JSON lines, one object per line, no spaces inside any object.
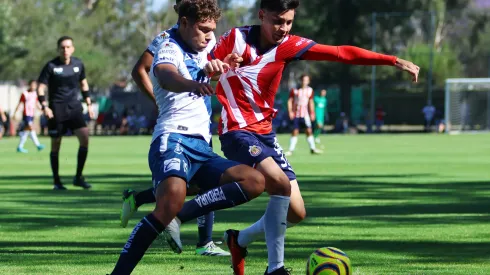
{"x":29,"y":99}
{"x":301,"y":109}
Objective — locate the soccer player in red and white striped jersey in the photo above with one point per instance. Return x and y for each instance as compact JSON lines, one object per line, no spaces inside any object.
{"x":301,"y":111}
{"x":30,"y":101}
{"x":247,"y":95}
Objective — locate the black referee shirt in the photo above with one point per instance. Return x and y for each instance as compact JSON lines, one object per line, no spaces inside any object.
{"x":63,"y":80}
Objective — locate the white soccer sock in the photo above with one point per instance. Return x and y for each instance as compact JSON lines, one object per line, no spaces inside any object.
{"x":311,"y":142}
{"x":34,"y":138}
{"x":275,"y":223}
{"x":251,"y":233}
{"x":292,"y":143}
{"x":23,"y":137}
{"x":254,"y":232}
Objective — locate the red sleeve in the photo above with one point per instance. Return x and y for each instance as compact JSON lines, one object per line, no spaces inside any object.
{"x":348,"y":54}
{"x":224,"y":46}
{"x":22,"y":98}
{"x":291,"y":93}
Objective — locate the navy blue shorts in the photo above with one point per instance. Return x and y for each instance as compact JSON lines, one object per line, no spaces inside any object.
{"x":251,"y":148}
{"x":27,"y":120}
{"x":186,"y":157}
{"x":301,"y":122}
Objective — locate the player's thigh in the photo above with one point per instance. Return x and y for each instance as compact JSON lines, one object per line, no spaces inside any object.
{"x":297,"y":211}
{"x":276,"y":181}
{"x":77,"y":124}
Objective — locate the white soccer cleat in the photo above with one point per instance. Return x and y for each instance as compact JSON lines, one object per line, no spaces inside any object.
{"x":316,"y":152}
{"x":210,"y":249}
{"x":172,"y":236}
{"x":128,"y":207}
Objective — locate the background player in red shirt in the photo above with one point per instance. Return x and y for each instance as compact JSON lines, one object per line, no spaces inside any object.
{"x":29,"y":99}
{"x":301,"y":111}
{"x":247,"y":95}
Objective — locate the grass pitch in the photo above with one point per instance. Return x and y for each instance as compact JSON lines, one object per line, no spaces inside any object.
{"x":396,"y":204}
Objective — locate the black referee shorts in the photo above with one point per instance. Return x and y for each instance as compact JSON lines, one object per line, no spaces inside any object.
{"x":67,"y":119}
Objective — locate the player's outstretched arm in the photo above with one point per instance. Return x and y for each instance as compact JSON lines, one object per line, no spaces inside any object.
{"x":290,"y":105}
{"x":140,"y":74}
{"x":21,"y":101}
{"x":358,"y":56}
{"x":170,"y":79}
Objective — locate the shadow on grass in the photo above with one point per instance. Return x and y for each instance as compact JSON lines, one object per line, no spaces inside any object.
{"x":391,"y":203}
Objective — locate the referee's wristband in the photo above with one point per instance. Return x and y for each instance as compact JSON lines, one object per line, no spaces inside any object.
{"x":85,"y":94}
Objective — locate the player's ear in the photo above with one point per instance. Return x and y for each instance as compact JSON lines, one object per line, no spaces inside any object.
{"x":183,"y":22}
{"x":176,"y":9}
{"x":261,"y":15}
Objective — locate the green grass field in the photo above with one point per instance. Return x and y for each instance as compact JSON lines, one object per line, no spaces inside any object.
{"x":397,"y":204}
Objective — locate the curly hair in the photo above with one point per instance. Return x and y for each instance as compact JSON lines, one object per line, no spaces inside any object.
{"x":200,"y":10}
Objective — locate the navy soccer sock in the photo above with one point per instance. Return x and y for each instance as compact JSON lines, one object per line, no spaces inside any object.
{"x":143,"y":234}
{"x":81,"y":158}
{"x":144,"y":197}
{"x":205,"y":228}
{"x":226,"y":196}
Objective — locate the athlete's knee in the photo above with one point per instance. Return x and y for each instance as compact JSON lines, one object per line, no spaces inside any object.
{"x":296,"y":214}
{"x":278,"y":184}
{"x":253,"y":183}
{"x":55,"y":144}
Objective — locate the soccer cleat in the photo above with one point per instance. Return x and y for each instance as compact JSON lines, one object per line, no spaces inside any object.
{"x":172,"y":236}
{"x":237,"y":252}
{"x":128,"y":207}
{"x":59,"y":186}
{"x":210,"y":249}
{"x":40,"y":147}
{"x":288,"y":153}
{"x":280,"y":271}
{"x":80,"y":182}
{"x":22,"y":150}
{"x":316,"y":152}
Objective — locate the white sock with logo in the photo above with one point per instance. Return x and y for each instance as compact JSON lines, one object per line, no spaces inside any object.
{"x":311,"y":142}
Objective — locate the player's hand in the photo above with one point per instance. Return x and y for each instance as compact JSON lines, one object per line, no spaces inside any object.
{"x":215,"y":67}
{"x":91,"y":114}
{"x":48,"y":113}
{"x":408,"y":66}
{"x":203,"y":89}
{"x":234,"y":60}
{"x":291,"y":115}
{"x":312,"y":118}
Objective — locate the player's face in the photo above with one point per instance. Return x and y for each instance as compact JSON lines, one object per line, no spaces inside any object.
{"x":199,"y":34}
{"x":276,"y":26}
{"x":305,"y":81}
{"x":323,"y":93}
{"x":33,"y":86}
{"x":66,"y":48}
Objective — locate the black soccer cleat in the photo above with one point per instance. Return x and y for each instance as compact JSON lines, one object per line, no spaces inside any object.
{"x":280,"y":271}
{"x":80,"y":182}
{"x":59,"y":186}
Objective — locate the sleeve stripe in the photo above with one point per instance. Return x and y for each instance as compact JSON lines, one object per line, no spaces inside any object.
{"x":305,"y":49}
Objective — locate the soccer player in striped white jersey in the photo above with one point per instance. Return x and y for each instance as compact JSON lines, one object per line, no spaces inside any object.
{"x":301,"y":111}
{"x":30,"y":101}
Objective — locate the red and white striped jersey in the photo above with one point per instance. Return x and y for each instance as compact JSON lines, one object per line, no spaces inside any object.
{"x":247,"y":93}
{"x":30,"y":100}
{"x":301,"y":97}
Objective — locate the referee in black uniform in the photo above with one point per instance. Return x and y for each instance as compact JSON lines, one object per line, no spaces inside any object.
{"x":64,"y":77}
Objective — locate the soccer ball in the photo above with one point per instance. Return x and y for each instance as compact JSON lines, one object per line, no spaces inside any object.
{"x":328,"y":261}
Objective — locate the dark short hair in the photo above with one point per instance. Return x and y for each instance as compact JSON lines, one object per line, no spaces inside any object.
{"x":63,"y":38}
{"x":303,"y":76}
{"x":279,"y":5}
{"x":199,"y":10}
{"x":177,"y":2}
